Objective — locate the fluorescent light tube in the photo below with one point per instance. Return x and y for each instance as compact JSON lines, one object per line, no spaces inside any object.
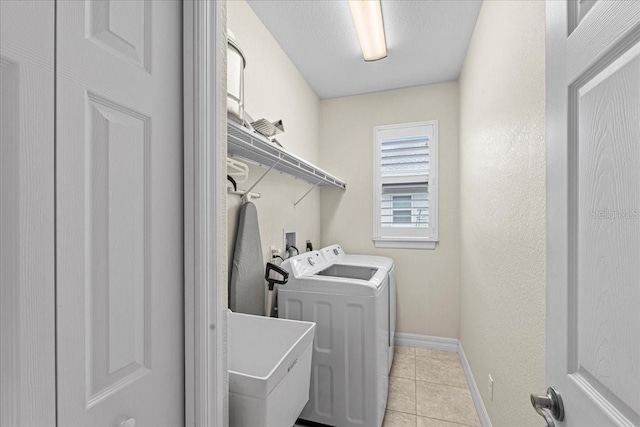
{"x":367,"y":17}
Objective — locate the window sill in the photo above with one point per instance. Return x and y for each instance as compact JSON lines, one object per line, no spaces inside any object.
{"x":404,"y":243}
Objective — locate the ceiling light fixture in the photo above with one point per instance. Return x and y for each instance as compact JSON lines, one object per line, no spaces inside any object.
{"x":367,"y":17}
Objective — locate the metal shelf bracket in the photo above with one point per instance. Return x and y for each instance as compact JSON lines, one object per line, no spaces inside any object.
{"x":306,"y":194}
{"x":247,"y":194}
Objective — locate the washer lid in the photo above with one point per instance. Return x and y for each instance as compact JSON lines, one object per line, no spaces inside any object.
{"x":336,"y":254}
{"x":372,"y":260}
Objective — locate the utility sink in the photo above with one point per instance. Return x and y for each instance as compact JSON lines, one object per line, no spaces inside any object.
{"x":269,"y":369}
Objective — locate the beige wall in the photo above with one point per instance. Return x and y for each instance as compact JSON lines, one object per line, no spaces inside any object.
{"x":428,"y":280}
{"x":502,"y":205}
{"x":274,"y":89}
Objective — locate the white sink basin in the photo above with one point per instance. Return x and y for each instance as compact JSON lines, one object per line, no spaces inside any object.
{"x":269,"y":370}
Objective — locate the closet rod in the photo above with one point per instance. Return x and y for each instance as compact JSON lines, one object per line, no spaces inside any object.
{"x":243,"y":193}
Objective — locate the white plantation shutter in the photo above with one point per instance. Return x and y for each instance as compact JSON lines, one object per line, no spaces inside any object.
{"x":405,"y":205}
{"x":405,"y":156}
{"x":405,"y":191}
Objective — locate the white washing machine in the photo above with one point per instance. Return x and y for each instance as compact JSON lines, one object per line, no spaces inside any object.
{"x":350,"y":306}
{"x":336,"y":254}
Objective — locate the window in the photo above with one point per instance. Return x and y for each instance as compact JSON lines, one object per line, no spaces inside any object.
{"x":401,"y":216}
{"x":406,"y":185}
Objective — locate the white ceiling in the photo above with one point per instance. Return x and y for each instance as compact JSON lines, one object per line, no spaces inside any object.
{"x":426,"y":42}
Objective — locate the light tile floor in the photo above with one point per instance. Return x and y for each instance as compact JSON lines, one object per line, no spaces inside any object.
{"x":428,"y":388}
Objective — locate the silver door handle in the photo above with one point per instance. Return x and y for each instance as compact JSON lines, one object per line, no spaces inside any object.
{"x":549,"y":406}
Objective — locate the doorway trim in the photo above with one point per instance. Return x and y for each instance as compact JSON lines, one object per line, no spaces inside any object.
{"x":204,"y":57}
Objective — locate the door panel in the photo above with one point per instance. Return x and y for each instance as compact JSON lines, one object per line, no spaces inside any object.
{"x":593,"y":128}
{"x":121,"y":27}
{"x":606,"y":291}
{"x":117,"y":220}
{"x":27,"y":270}
{"x":119,"y":213}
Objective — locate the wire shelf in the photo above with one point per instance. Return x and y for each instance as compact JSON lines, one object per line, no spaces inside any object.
{"x":243,"y":143}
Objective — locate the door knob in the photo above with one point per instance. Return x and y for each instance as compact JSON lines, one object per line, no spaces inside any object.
{"x":549,"y":406}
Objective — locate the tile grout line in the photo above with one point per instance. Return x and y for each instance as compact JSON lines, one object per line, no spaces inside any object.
{"x":403,"y":412}
{"x":448,"y":385}
{"x":455,"y":423}
{"x":416,"y":387}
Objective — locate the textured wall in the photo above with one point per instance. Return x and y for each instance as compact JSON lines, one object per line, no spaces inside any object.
{"x":428,"y":280}
{"x":502,"y":205}
{"x":274,"y":89}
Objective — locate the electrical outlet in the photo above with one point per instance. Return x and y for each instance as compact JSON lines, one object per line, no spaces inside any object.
{"x":490,"y":388}
{"x":275,"y":251}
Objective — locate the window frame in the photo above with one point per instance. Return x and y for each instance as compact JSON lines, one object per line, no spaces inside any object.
{"x":405,"y":237}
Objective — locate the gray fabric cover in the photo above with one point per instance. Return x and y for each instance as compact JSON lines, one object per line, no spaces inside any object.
{"x":247,"y":284}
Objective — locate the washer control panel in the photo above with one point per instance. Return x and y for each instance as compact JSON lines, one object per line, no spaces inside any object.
{"x":332,"y":253}
{"x":307,"y":263}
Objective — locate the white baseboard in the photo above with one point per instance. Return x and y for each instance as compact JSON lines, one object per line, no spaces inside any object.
{"x":452,"y":345}
{"x":473,"y":388}
{"x":428,"y":342}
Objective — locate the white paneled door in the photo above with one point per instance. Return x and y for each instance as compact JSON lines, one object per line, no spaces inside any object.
{"x":593,"y":132}
{"x":27,"y":286}
{"x":119,"y":204}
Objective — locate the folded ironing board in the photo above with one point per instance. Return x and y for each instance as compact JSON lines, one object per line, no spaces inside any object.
{"x":247,"y":285}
